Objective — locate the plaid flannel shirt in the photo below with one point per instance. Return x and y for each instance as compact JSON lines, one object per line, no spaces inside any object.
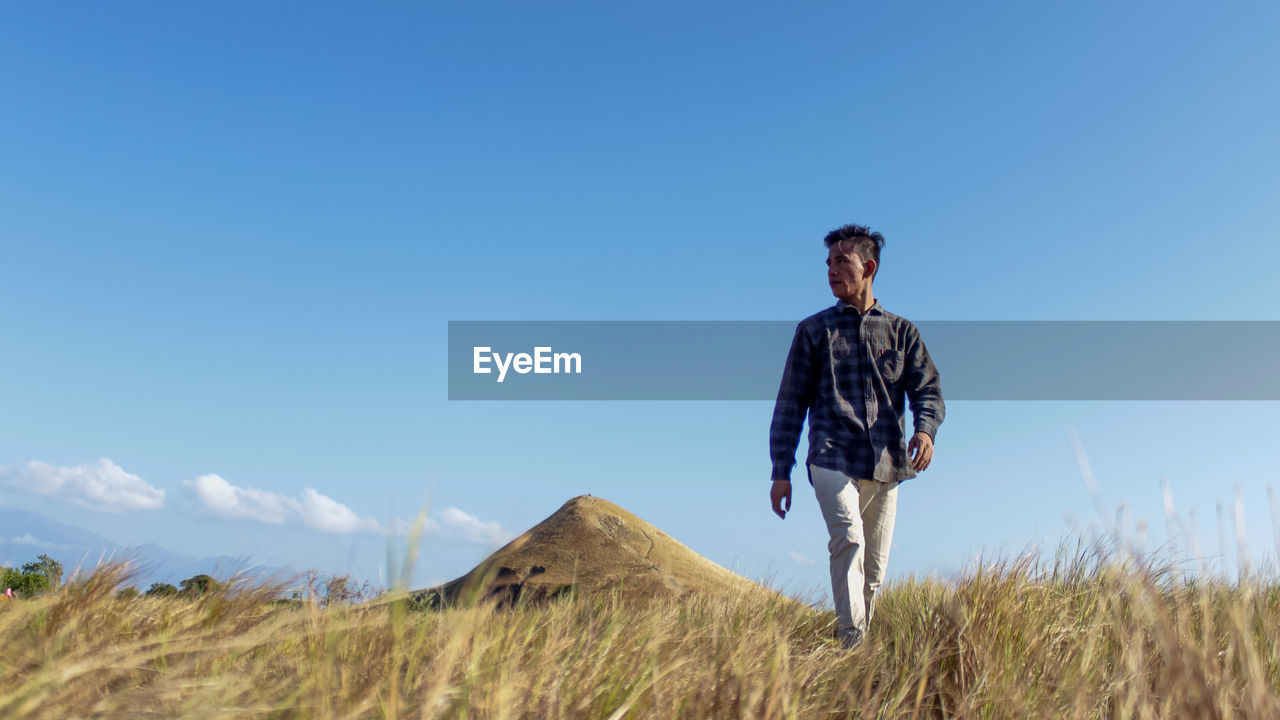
{"x":849,"y":371}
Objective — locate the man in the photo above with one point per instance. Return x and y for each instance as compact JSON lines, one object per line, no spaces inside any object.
{"x":848,"y":369}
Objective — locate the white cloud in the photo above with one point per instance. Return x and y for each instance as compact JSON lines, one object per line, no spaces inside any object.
{"x":457,"y":523}
{"x":325,"y":514}
{"x":318,"y":512}
{"x":223,"y":499}
{"x":29,"y":539}
{"x":800,"y":558}
{"x":103,"y":486}
{"x":401,"y":527}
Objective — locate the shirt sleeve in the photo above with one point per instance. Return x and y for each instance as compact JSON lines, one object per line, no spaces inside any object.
{"x":795,"y":396}
{"x":923,"y":387}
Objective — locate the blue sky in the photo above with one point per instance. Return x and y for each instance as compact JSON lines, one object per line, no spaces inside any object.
{"x":231,"y":237}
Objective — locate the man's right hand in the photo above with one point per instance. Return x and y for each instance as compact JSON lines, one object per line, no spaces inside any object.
{"x":780,"y":491}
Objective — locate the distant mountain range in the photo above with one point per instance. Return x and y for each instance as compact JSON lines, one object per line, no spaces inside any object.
{"x":24,"y":535}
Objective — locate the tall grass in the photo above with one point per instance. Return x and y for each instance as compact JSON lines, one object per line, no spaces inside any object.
{"x":1088,"y":633}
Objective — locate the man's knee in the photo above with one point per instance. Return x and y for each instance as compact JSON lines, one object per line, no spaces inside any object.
{"x":844,"y":538}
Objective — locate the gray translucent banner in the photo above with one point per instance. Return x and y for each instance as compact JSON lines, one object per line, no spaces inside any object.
{"x":743,"y":360}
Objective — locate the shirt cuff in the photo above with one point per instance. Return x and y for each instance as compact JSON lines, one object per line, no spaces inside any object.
{"x":927,"y":427}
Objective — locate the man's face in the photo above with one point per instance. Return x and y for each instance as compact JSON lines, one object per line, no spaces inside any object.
{"x":847,"y":274}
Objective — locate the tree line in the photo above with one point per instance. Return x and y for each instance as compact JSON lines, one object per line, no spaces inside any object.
{"x":33,"y":578}
{"x":45,"y":574}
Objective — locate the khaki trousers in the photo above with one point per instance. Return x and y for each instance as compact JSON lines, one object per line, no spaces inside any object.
{"x":859,"y":516}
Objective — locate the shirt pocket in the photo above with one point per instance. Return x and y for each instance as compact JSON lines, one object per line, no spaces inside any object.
{"x":890,"y":364}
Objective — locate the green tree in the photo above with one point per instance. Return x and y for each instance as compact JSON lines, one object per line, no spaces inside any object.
{"x":46,"y":566}
{"x":337,"y":590}
{"x":25,"y":584}
{"x":161,"y":590}
{"x":199,"y":585}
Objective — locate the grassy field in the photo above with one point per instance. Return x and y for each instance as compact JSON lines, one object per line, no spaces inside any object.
{"x":1082,"y":636}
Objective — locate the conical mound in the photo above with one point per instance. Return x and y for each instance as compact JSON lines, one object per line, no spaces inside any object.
{"x":587,"y":546}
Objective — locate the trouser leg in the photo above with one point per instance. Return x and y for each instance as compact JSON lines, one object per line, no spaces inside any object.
{"x":879,"y":509}
{"x":837,"y":498}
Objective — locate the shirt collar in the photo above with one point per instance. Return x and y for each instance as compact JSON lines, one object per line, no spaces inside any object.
{"x":842,"y":306}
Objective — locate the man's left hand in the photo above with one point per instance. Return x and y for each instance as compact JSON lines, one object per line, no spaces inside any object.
{"x":921,"y":451}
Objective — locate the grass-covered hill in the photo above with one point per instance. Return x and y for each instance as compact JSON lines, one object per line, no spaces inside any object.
{"x":588,"y":546}
{"x":1090,"y":634}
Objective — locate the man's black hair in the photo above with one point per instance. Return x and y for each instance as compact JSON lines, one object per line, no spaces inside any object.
{"x":861,"y":240}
